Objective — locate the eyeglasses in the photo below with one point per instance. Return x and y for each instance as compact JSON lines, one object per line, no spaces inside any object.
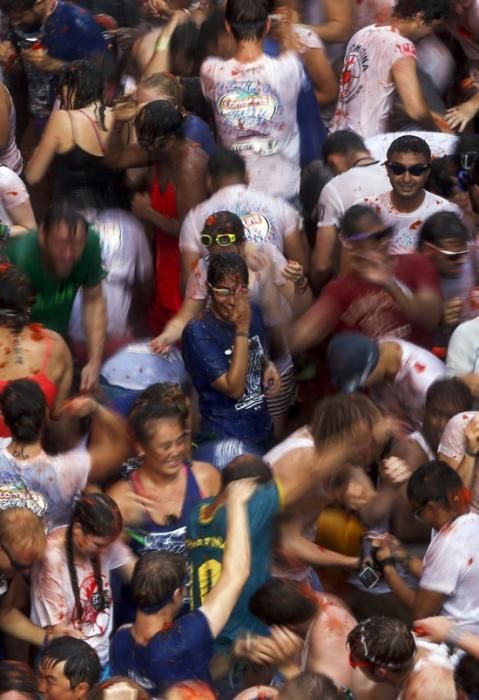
{"x":225,"y":292}
{"x":16,"y":564}
{"x":419,"y":511}
{"x":450,"y":254}
{"x":414,"y":170}
{"x":221,"y":239}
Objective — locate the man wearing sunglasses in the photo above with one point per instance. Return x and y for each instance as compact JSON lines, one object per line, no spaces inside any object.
{"x":380,"y":295}
{"x":408,"y":204}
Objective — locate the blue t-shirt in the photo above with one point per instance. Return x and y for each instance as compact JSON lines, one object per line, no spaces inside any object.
{"x":196,"y":129}
{"x":207,"y":348}
{"x":206,"y":535}
{"x":179,"y":654}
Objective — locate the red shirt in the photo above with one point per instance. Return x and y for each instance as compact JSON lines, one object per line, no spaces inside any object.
{"x":358,"y":305}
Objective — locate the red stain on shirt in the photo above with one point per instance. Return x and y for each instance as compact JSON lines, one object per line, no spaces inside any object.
{"x":419,"y":367}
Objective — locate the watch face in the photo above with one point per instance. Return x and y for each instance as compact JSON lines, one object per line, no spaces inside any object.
{"x":368,"y":577}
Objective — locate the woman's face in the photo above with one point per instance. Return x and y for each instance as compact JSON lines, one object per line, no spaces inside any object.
{"x":223,"y":295}
{"x":91,"y":545}
{"x":167,"y":447}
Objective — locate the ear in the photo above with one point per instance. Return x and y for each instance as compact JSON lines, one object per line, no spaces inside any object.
{"x":228,"y":27}
{"x":267,"y":27}
{"x":178,"y":596}
{"x":81,"y":691}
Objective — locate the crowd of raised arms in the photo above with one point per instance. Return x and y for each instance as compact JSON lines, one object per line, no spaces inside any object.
{"x":239,"y":349}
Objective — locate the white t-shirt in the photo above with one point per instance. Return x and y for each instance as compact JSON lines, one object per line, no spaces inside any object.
{"x":453,"y":446}
{"x":451,"y":567}
{"x":254,"y":105}
{"x":440,"y":144}
{"x":12,"y":193}
{"x":463,"y":349}
{"x":407,"y":224}
{"x":344,"y":190}
{"x":266,"y":219}
{"x":405,"y":397}
{"x":59,"y":479}
{"x":366,"y":88}
{"x":368,"y":12}
{"x":52,"y":595}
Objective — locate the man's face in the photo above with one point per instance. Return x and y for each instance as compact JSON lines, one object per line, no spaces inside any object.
{"x":63,"y":248}
{"x":449,"y":255}
{"x":373,"y":249}
{"x":407,"y":184}
{"x":30,"y":18}
{"x":54,"y":685}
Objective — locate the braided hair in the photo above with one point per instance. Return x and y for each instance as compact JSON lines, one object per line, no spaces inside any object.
{"x":81,"y":83}
{"x":17,"y":297}
{"x":96,"y":514}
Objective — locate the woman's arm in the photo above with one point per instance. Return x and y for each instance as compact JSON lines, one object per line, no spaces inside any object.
{"x":232,"y":382}
{"x":171,"y":333}
{"x":47,"y":148}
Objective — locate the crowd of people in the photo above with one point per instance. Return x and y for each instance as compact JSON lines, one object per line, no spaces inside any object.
{"x":239,"y":344}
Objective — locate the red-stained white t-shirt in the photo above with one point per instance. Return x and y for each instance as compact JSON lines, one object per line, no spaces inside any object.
{"x":407,"y":224}
{"x":254,"y":105}
{"x":366,"y":88}
{"x":453,"y":445}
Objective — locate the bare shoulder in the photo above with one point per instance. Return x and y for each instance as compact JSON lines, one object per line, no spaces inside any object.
{"x":430,"y":681}
{"x":208,"y":477}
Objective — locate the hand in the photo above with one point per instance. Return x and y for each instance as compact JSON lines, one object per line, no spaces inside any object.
{"x":41,"y":60}
{"x":241,"y":315}
{"x":257,"y":259}
{"x":374,"y":268}
{"x":6,"y":51}
{"x":159,"y":8}
{"x":441,"y":123}
{"x":80,"y":406}
{"x":452,"y":311}
{"x":458,"y":117}
{"x":280,"y":648}
{"x":398,"y":551}
{"x":271,"y":381}
{"x":241,"y":490}
{"x":354,"y":496}
{"x":294,"y":272}
{"x":383,"y":550}
{"x":141,"y":205}
{"x":434,"y":628}
{"x":63,"y":630}
{"x":126,"y":108}
{"x":162,"y":343}
{"x":89,"y":377}
{"x":471,"y":433}
{"x":396,"y":470}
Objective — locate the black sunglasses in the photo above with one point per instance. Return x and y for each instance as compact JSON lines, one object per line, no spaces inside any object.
{"x":25,"y":568}
{"x":414,"y":170}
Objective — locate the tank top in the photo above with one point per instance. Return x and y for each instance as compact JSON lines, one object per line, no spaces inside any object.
{"x":170,"y":537}
{"x":49,"y":388}
{"x":10,"y":155}
{"x":421,"y":441}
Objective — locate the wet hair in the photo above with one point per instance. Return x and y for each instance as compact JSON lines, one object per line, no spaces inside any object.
{"x":247,"y":19}
{"x":225,"y":163}
{"x":342,"y":143}
{"x":97,"y":693}
{"x":210,"y":31}
{"x":9,"y":6}
{"x":434,"y":482}
{"x":246,"y":466}
{"x":18,"y":677}
{"x":156,"y":577}
{"x":451,"y":394}
{"x":145,"y":413}
{"x":84,"y":84}
{"x":384,"y":642}
{"x":97,"y":514}
{"x":440,"y":181}
{"x":22,"y":530}
{"x":313,"y":178}
{"x":82,"y":664}
{"x":443,"y":225}
{"x":354,"y":216}
{"x":156,"y":120}
{"x":166,"y":393}
{"x":309,"y":685}
{"x":23,"y":407}
{"x":409,"y":144}
{"x":63,"y":212}
{"x":429,"y":9}
{"x":335,"y":416}
{"x":225,"y":222}
{"x":224,"y":264}
{"x":167,"y":84}
{"x":193,"y":99}
{"x":282,"y":602}
{"x":183,"y":49}
{"x":466,"y":676}
{"x":17,"y":297}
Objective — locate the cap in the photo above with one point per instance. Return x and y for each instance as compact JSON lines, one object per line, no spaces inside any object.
{"x":351,"y":358}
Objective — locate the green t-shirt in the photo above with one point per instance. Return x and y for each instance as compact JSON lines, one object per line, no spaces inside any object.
{"x":55,"y":296}
{"x":205,"y":541}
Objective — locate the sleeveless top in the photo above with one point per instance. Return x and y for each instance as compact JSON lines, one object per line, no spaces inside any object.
{"x":170,"y":537}
{"x":421,"y":441}
{"x":10,"y":155}
{"x":84,"y":175}
{"x":49,"y":388}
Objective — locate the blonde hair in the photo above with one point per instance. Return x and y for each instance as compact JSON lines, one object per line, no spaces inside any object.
{"x":20,"y":529}
{"x":335,"y":416}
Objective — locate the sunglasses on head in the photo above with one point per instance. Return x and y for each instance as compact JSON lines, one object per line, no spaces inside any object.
{"x":373,"y":235}
{"x":414,"y":170}
{"x":221,"y":239}
{"x":449,"y":254}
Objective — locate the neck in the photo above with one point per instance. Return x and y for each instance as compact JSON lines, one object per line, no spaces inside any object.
{"x":407,"y":205}
{"x":361,"y":158}
{"x":148,"y":471}
{"x":248,"y":51}
{"x":404,"y":26}
{"x":146,"y":626}
{"x":448,"y":516}
{"x":229,"y":182}
{"x":22,"y":451}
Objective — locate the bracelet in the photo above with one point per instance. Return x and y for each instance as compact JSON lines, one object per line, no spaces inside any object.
{"x":454,"y":636}
{"x":389,"y":561}
{"x":470,"y":453}
{"x":242,"y":334}
{"x":162,"y":43}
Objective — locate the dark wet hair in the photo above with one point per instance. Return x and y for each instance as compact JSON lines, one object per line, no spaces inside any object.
{"x":442,"y":225}
{"x":82,"y":664}
{"x":63,"y":211}
{"x":429,"y":9}
{"x":194,"y":101}
{"x":224,"y":264}
{"x":156,"y":577}
{"x":23,"y":407}
{"x":96,"y":514}
{"x":17,"y":297}
{"x":225,"y":222}
{"x":383,"y":641}
{"x":246,"y":467}
{"x":450,"y":393}
{"x":84,"y":84}
{"x":282,"y":602}
{"x":210,"y":31}
{"x":9,"y":6}
{"x":409,"y":144}
{"x":434,"y":482}
{"x":354,"y":216}
{"x":225,"y":163}
{"x":466,"y":676}
{"x":157,"y":120}
{"x":337,"y":415}
{"x":166,"y":393}
{"x":342,"y":143}
{"x":183,"y":48}
{"x":18,"y":677}
{"x":247,"y":19}
{"x":145,"y":413}
{"x":313,"y":178}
